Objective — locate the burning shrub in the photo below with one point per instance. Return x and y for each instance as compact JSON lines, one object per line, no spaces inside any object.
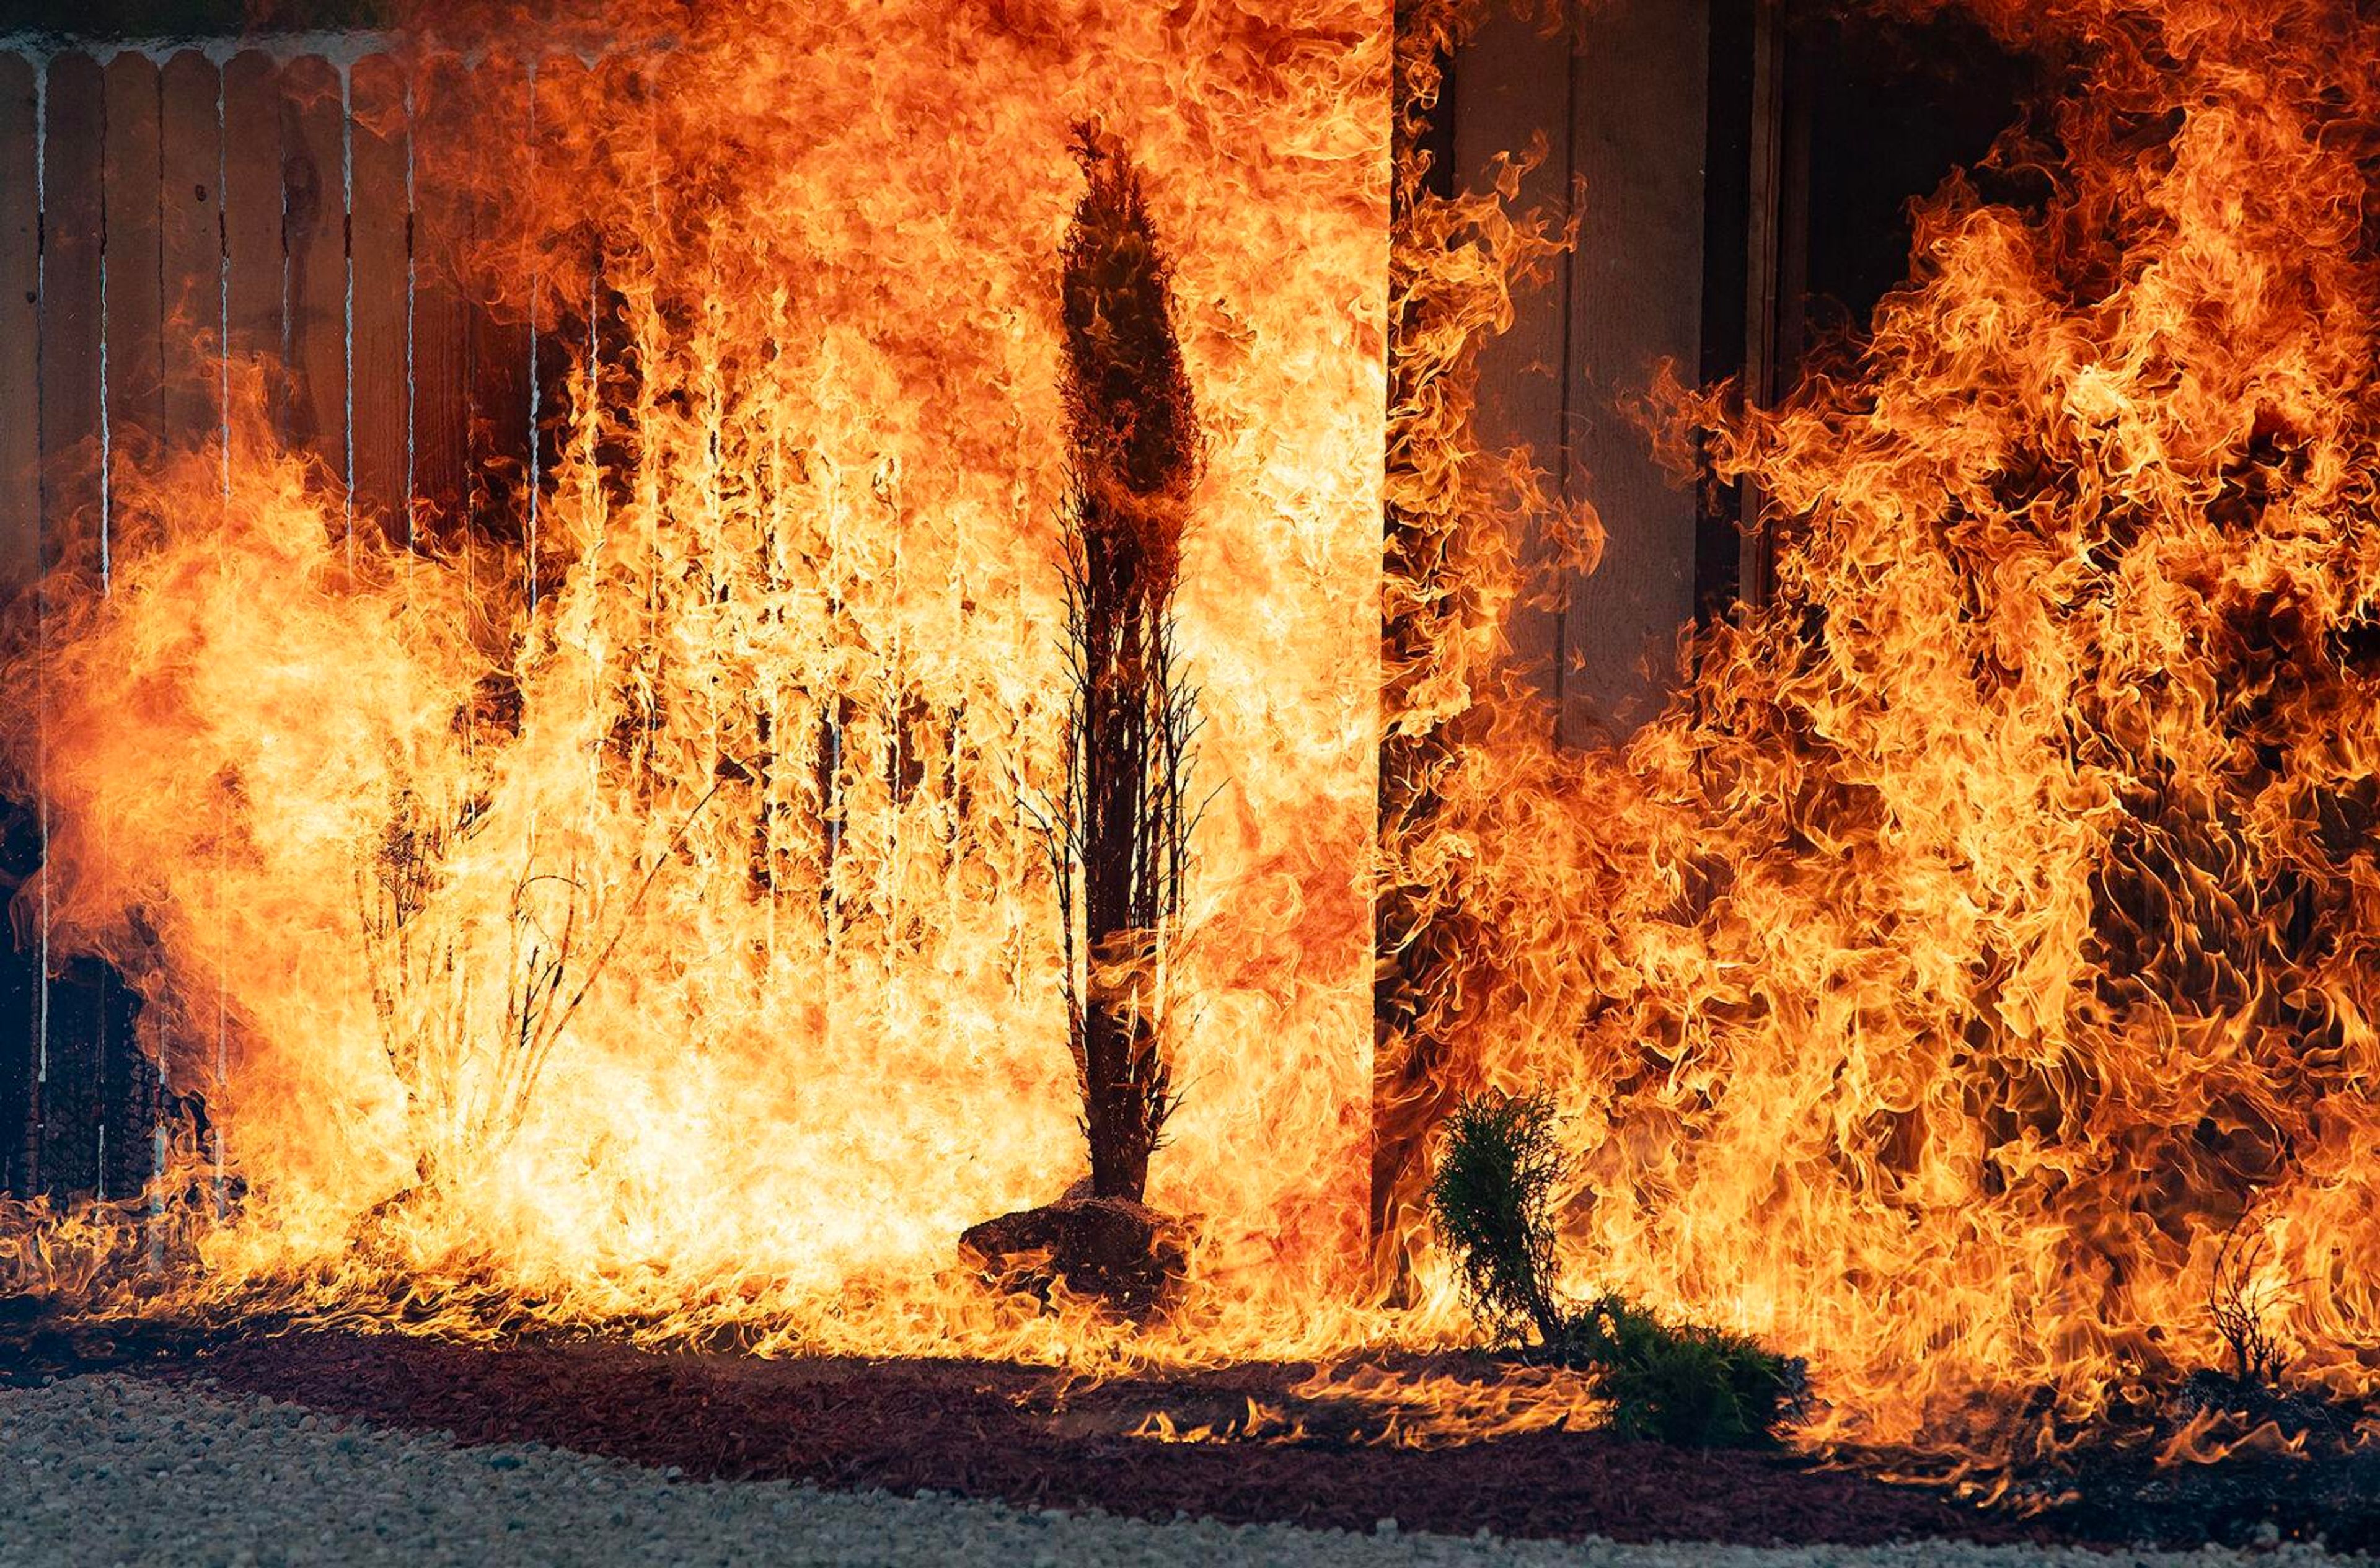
{"x":1120,"y":849}
{"x":2238,"y":1300}
{"x":468,"y":1079}
{"x":1687,"y":1384}
{"x":470,"y":1010}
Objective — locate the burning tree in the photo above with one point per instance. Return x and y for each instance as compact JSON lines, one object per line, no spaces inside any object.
{"x":1119,"y":845}
{"x":1118,"y":834}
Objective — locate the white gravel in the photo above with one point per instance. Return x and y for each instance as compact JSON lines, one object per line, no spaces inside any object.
{"x":106,"y":1469}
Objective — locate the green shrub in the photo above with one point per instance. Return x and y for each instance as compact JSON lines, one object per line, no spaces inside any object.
{"x":1493,"y":1201}
{"x":1686,"y":1384}
{"x":1492,"y":1197}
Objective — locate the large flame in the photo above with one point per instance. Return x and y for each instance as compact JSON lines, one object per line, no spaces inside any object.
{"x":631,"y":898}
{"x":630,"y":910}
{"x":1979,"y":943}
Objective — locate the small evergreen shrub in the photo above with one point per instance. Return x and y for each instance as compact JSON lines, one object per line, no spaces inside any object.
{"x":1686,"y":1384}
{"x":1492,"y":1199}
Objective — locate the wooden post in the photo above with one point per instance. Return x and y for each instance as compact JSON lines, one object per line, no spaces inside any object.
{"x":1422,"y":544}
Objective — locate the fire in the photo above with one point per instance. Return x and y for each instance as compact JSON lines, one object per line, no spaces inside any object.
{"x":630,"y":900}
{"x":1975,"y":948}
{"x":624,"y":908}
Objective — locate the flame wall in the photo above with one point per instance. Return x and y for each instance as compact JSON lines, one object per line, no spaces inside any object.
{"x":758,"y":674}
{"x":1981,"y":938}
{"x":1977,"y":941}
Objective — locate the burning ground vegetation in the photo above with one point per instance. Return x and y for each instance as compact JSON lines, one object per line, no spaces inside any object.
{"x":945,"y":623}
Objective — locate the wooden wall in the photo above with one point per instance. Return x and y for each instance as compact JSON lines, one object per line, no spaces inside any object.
{"x":1623,"y":104}
{"x":165,"y":214}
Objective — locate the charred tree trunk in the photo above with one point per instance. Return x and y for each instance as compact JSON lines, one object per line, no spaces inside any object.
{"x":1121,"y":847}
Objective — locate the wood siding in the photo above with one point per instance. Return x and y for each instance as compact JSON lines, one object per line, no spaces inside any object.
{"x":1623,"y":106}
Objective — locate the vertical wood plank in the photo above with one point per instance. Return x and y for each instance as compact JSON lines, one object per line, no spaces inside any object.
{"x":1639,"y":122}
{"x":442,"y":374}
{"x":20,"y":523}
{"x":254,"y":259}
{"x":559,"y":339}
{"x":190,"y":220}
{"x":254,"y":318}
{"x":133,"y":251}
{"x":314,"y":209}
{"x":380,"y":395}
{"x":133,"y":371}
{"x":70,"y":326}
{"x":20,"y":491}
{"x":1513,"y":90}
{"x":498,"y":345}
{"x":191,"y":216}
{"x":62,"y":1153}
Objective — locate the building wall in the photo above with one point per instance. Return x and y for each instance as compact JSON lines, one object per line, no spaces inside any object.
{"x":1623,"y":102}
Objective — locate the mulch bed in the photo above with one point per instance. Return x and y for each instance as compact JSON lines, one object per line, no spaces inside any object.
{"x":988,"y":1430}
{"x":1018,"y":1434}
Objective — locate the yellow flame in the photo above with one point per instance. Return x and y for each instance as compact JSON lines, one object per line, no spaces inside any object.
{"x":1976,"y":943}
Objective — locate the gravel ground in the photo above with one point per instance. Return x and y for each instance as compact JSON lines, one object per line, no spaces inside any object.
{"x":109,"y":1470}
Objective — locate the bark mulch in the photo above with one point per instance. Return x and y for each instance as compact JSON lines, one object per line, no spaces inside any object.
{"x":988,"y":1430}
{"x":1025,"y":1436}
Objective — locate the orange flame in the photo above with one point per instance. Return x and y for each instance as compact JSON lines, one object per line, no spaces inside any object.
{"x":631,"y":905}
{"x":1977,"y":941}
{"x":1972,"y":947}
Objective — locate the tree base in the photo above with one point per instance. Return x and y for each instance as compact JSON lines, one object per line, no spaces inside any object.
{"x":1125,"y":1254}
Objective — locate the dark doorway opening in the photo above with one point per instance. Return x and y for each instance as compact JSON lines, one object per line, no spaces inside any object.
{"x":1825,"y":128}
